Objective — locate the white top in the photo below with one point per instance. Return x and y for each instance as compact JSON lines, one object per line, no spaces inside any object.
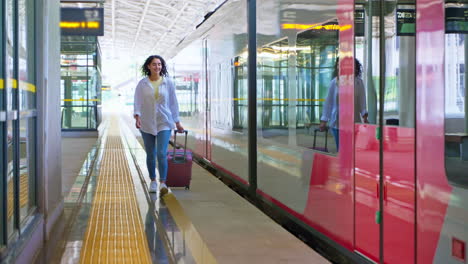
{"x":156,"y":115}
{"x":330,"y":112}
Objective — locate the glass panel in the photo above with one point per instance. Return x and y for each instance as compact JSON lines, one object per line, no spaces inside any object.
{"x":10,"y":179}
{"x":27,"y":165}
{"x":367,"y":55}
{"x":2,"y":129}
{"x":240,"y":93}
{"x":272,"y":90}
{"x":9,"y":54}
{"x":296,"y":60}
{"x":27,"y":101}
{"x":367,"y":146}
{"x":317,"y":50}
{"x":398,"y":133}
{"x":81,"y":82}
{"x":79,"y":117}
{"x":185,"y":97}
{"x":396,"y":136}
{"x":26,"y":59}
{"x":225,"y":59}
{"x":2,"y":79}
{"x":10,"y":84}
{"x":456,"y":106}
{"x":400,"y":70}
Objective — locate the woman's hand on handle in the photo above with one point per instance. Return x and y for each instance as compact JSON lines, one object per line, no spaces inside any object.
{"x":180,"y":128}
{"x":323,"y":125}
{"x":365,"y":118}
{"x":137,"y":121}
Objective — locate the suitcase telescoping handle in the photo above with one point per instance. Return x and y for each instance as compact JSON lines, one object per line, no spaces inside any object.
{"x":185,"y":145}
{"x":326,"y":136}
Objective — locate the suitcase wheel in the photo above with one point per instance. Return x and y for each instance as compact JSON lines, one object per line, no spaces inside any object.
{"x":187,"y":187}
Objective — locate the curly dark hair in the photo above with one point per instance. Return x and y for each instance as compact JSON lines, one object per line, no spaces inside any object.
{"x":357,"y":68}
{"x":144,"y":68}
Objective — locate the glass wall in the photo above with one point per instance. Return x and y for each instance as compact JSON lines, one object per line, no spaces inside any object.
{"x":317,"y":51}
{"x":186,"y":84}
{"x":3,"y":138}
{"x":297,"y":47}
{"x":80,"y":83}
{"x":240,"y":93}
{"x":26,"y":105}
{"x":456,"y":106}
{"x":9,"y":82}
{"x":18,"y":117}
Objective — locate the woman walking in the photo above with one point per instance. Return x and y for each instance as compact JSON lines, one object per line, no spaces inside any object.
{"x":156,"y":113}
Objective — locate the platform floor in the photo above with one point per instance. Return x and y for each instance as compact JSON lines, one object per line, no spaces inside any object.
{"x":210,"y":223}
{"x":234,"y":230}
{"x":74,"y":153}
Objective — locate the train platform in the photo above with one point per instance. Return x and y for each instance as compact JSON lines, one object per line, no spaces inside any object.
{"x":113,"y":218}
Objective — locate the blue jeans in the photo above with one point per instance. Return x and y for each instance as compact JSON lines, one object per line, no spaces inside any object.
{"x":158,"y":150}
{"x":336,"y":135}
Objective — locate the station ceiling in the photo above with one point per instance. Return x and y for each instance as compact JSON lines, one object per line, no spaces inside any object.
{"x":140,"y":28}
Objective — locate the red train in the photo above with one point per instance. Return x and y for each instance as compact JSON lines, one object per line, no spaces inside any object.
{"x":394,"y":190}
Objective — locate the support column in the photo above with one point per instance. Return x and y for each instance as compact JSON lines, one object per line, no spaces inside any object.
{"x":252,"y":95}
{"x":466,"y":86}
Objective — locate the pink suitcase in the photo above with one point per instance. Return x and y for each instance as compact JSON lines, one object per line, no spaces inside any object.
{"x":179,"y":161}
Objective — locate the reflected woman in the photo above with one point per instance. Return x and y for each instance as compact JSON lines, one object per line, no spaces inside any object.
{"x":330,"y":114}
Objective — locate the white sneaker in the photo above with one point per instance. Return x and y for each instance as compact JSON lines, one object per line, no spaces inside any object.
{"x":153,"y":187}
{"x":163,"y":189}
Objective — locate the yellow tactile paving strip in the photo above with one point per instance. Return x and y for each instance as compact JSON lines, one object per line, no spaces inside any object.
{"x":115,"y":232}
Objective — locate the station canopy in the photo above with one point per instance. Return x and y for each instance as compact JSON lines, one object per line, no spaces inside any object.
{"x":140,"y":28}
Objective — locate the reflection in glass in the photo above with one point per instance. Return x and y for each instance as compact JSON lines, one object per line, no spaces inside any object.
{"x":367,"y":52}
{"x":272,"y":90}
{"x":296,"y":56}
{"x":26,"y":56}
{"x":317,"y":50}
{"x":9,"y":46}
{"x":456,"y":107}
{"x":330,"y":113}
{"x":10,"y":179}
{"x":400,"y":58}
{"x":400,"y":70}
{"x":9,"y":84}
{"x":26,"y":166}
{"x":240,"y":93}
{"x":2,"y":128}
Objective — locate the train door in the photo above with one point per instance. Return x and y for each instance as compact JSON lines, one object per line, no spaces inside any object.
{"x":384,"y":131}
{"x":442,"y":132}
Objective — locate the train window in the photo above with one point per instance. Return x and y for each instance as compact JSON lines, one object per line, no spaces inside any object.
{"x":456,"y":107}
{"x":400,"y":61}
{"x":317,"y":50}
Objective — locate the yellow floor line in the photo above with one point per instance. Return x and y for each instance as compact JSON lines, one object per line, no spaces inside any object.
{"x":200,"y":251}
{"x":115,"y":232}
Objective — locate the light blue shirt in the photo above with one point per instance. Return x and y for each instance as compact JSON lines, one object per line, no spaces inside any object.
{"x":156,"y":115}
{"x":330,"y":111}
